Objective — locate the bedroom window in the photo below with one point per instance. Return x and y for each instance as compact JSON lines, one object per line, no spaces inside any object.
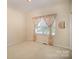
{"x":42,"y":25}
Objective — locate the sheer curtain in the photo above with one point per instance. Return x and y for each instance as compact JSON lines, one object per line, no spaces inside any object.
{"x":49,"y":20}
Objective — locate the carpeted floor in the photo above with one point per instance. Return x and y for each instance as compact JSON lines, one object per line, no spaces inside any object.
{"x":35,"y":50}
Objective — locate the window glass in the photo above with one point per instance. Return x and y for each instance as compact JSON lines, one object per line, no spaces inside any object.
{"x":42,"y":28}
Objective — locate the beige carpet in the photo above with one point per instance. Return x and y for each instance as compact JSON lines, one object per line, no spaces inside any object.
{"x":34,"y":50}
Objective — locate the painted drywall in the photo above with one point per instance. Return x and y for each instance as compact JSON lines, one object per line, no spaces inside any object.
{"x":62,"y":37}
{"x":16,"y":32}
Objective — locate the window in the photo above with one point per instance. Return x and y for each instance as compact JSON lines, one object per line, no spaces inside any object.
{"x":42,"y":28}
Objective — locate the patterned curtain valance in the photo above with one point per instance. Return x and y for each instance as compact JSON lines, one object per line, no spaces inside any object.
{"x":50,"y":15}
{"x":48,"y":18}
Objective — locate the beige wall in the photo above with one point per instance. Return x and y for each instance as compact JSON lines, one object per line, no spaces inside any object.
{"x":21,"y":28}
{"x":62,"y":37}
{"x":15,"y":26}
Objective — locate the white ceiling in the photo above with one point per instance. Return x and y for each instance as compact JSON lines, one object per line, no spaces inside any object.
{"x":35,"y":4}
